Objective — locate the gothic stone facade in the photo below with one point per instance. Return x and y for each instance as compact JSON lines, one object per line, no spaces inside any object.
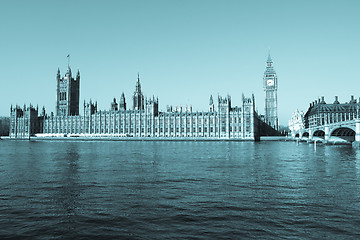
{"x":143,"y":121}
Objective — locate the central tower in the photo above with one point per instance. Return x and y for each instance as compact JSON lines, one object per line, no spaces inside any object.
{"x":270,"y":88}
{"x":67,"y":94}
{"x":138,"y":97}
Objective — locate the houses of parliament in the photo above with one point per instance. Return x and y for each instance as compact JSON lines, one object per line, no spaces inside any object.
{"x":143,"y":120}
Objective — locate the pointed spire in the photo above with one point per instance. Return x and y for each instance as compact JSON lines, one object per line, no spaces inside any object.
{"x":269,"y":57}
{"x":138,"y":85}
{"x":122,"y":103}
{"x":269,"y":65}
{"x":58,"y":74}
{"x":211,"y":100}
{"x":68,"y":73}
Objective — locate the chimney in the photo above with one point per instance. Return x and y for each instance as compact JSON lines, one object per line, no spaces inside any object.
{"x":316,"y":102}
{"x":336,"y":100}
{"x":352,"y":98}
{"x":322,"y":99}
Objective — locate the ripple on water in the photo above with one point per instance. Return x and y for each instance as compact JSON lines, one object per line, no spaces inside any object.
{"x":172,"y":190}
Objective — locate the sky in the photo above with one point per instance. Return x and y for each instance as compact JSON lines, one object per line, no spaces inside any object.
{"x":183,"y":50}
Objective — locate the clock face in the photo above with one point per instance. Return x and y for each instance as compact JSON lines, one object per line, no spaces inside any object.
{"x":270,"y":82}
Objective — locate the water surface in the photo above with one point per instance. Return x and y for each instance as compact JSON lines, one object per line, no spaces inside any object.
{"x":178,"y":190}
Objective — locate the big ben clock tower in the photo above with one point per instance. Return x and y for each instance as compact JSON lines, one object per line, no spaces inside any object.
{"x":270,"y":88}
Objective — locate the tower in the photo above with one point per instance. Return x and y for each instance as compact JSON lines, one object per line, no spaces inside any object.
{"x":138,"y":98}
{"x":122,"y":104}
{"x":114,"y":105}
{"x":224,"y":107}
{"x":211,"y":104}
{"x":68,"y":93}
{"x":270,"y":88}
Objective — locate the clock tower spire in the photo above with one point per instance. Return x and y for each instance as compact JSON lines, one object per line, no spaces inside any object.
{"x":270,"y":88}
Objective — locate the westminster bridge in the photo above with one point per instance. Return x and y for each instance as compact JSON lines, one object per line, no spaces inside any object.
{"x":344,"y":131}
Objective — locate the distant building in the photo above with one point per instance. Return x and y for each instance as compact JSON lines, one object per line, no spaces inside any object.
{"x":320,"y":113}
{"x":143,"y":121}
{"x":297,"y":122}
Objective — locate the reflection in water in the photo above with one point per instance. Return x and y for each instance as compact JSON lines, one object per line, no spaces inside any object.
{"x":357,"y":163}
{"x":66,"y":185}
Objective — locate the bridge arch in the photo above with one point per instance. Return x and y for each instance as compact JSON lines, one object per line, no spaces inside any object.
{"x":305,"y":135}
{"x":297,"y":135}
{"x":344,"y":133}
{"x":319,"y":133}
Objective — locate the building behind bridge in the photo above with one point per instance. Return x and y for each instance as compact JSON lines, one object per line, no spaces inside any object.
{"x":221,"y":121}
{"x":322,"y":113}
{"x":326,"y":120}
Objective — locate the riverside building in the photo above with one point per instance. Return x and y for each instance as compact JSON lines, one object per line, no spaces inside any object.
{"x":143,"y":121}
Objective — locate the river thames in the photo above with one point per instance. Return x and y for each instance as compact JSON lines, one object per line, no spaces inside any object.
{"x":178,"y":190}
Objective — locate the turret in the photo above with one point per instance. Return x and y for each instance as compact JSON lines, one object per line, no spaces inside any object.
{"x":211,"y":104}
{"x":122,"y":104}
{"x":114,"y":105}
{"x":138,"y":85}
{"x":78,"y":75}
{"x":152,"y":106}
{"x":138,"y":98}
{"x":68,"y":73}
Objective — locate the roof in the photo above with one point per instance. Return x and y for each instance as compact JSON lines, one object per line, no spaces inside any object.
{"x":332,"y":108}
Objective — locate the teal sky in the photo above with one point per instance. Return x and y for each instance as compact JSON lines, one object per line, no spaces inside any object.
{"x":184,"y":50}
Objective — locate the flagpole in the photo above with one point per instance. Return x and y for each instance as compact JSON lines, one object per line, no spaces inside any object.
{"x":68,"y":56}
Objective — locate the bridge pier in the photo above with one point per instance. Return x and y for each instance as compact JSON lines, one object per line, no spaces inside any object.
{"x":327,"y":133}
{"x":357,"y":131}
{"x":356,"y":143}
{"x":310,"y":134}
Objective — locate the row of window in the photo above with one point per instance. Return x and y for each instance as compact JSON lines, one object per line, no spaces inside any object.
{"x":131,"y":129}
{"x":62,"y":96}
